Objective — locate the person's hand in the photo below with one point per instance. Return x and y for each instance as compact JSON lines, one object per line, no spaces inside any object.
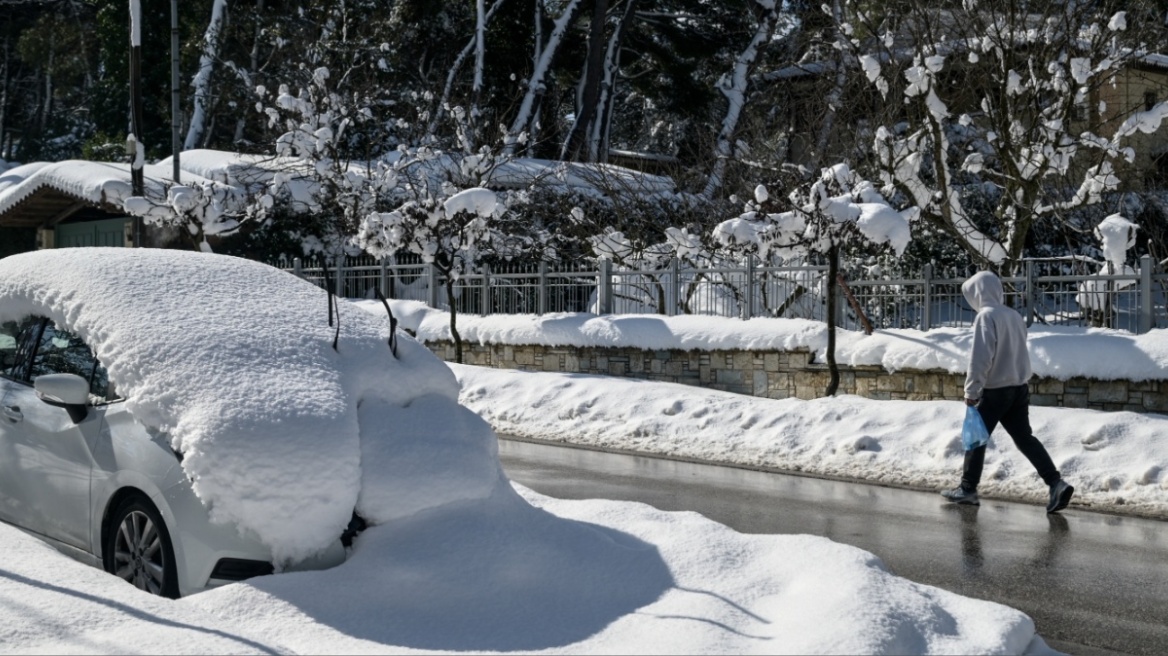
{"x":971,"y":402}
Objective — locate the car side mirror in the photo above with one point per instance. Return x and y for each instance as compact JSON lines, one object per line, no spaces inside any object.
{"x":7,"y":358}
{"x":68,"y":391}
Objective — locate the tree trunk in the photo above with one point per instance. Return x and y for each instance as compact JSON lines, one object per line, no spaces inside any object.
{"x":734,"y":88}
{"x":453,"y":318}
{"x":602,"y":125}
{"x":832,"y":274}
{"x":593,"y":73}
{"x":535,"y":84}
{"x":254,"y":79}
{"x":48,"y":107}
{"x":4,"y":98}
{"x":196,"y":133}
{"x":440,"y":110}
{"x":834,"y":98}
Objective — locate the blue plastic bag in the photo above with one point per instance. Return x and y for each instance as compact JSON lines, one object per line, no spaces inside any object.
{"x":973,"y":431}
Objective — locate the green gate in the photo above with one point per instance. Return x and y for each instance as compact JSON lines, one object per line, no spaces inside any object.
{"x":108,"y":232}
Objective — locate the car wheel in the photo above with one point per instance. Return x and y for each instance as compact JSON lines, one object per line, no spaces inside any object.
{"x":137,"y":548}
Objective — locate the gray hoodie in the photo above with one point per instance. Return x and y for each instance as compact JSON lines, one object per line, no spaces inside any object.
{"x":999,"y":357}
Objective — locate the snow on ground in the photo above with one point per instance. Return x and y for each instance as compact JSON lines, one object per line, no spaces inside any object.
{"x":520,"y":573}
{"x":283,"y":434}
{"x":1116,"y":460}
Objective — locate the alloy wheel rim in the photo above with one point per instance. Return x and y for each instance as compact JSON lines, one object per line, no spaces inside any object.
{"x":138,"y":553}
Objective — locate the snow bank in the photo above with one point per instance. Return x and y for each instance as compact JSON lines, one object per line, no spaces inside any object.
{"x":609,"y":577}
{"x":500,"y":575}
{"x":1116,"y":460}
{"x":282,"y":435}
{"x":56,"y":605}
{"x":1055,"y":351}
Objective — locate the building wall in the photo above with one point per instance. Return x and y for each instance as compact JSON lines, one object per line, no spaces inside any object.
{"x":1125,"y":96}
{"x":792,"y":374}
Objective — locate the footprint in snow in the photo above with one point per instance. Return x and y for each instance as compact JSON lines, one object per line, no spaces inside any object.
{"x":862,"y":443}
{"x":1150,"y":475}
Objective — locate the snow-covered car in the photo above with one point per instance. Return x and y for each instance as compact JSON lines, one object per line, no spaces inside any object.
{"x":186,"y":420}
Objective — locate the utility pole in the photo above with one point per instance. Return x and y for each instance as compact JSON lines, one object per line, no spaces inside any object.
{"x":175,"y":114}
{"x":134,"y":146}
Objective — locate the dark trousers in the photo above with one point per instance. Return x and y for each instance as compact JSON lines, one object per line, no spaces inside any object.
{"x":1009,"y":406}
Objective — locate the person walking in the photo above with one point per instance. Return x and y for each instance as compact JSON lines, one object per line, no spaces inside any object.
{"x":996,"y":384}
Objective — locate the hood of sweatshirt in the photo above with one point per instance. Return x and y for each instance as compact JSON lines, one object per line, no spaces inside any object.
{"x":983,"y":289}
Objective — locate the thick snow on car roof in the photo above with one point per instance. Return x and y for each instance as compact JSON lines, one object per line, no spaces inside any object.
{"x":281,"y":434}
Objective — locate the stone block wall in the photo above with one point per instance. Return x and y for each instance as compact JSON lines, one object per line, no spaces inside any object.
{"x":794,"y":374}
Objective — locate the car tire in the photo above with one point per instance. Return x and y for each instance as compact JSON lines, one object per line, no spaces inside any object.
{"x":137,"y":548}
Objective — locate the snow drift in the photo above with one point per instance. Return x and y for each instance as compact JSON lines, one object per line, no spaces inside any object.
{"x":282,"y":435}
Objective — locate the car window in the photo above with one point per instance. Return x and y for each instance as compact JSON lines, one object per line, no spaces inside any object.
{"x":61,"y":352}
{"x":42,"y":348}
{"x":9,"y":331}
{"x":24,"y":335}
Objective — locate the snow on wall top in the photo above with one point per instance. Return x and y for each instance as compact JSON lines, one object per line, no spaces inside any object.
{"x":95,"y":182}
{"x":1055,"y":352}
{"x":233,"y":359}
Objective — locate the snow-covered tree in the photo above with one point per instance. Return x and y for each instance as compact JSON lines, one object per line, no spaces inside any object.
{"x":824,"y":215}
{"x":1017,"y":104}
{"x":451,"y":229}
{"x":315,"y":168}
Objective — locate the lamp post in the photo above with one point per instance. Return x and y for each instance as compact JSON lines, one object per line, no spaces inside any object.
{"x":175,"y":115}
{"x":134,"y":143}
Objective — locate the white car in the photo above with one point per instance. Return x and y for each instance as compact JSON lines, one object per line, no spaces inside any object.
{"x":187,"y":419}
{"x":78,"y":470}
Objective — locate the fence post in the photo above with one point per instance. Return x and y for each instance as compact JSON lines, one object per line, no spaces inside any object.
{"x":748,"y":307}
{"x":486,"y":282}
{"x":927,"y":298}
{"x":543,"y":287}
{"x":298,"y":268}
{"x":383,"y":281}
{"x":673,"y":298}
{"x":340,"y":286}
{"x":432,"y":279}
{"x":1030,"y":309}
{"x":1146,"y":292}
{"x":604,"y":287}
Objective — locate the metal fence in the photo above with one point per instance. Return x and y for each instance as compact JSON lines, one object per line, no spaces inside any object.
{"x":1055,"y":291}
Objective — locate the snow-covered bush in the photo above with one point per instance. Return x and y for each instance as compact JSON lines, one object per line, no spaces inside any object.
{"x":201,"y":209}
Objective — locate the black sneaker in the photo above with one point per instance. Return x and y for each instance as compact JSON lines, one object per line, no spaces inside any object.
{"x":962,"y":496}
{"x":1060,"y":496}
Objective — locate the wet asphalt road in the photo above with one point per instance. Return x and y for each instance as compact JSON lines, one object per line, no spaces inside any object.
{"x":1093,"y":583}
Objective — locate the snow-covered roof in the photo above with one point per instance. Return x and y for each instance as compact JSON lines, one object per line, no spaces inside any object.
{"x":104,"y":184}
{"x":283,"y":435}
{"x":245,"y":170}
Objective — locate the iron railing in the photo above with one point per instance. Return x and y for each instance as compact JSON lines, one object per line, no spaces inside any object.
{"x":1056,"y":291}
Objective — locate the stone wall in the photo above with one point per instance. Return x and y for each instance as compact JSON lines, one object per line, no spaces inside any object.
{"x":793,"y":374}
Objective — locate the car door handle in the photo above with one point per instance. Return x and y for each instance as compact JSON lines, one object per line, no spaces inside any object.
{"x":13,"y":413}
